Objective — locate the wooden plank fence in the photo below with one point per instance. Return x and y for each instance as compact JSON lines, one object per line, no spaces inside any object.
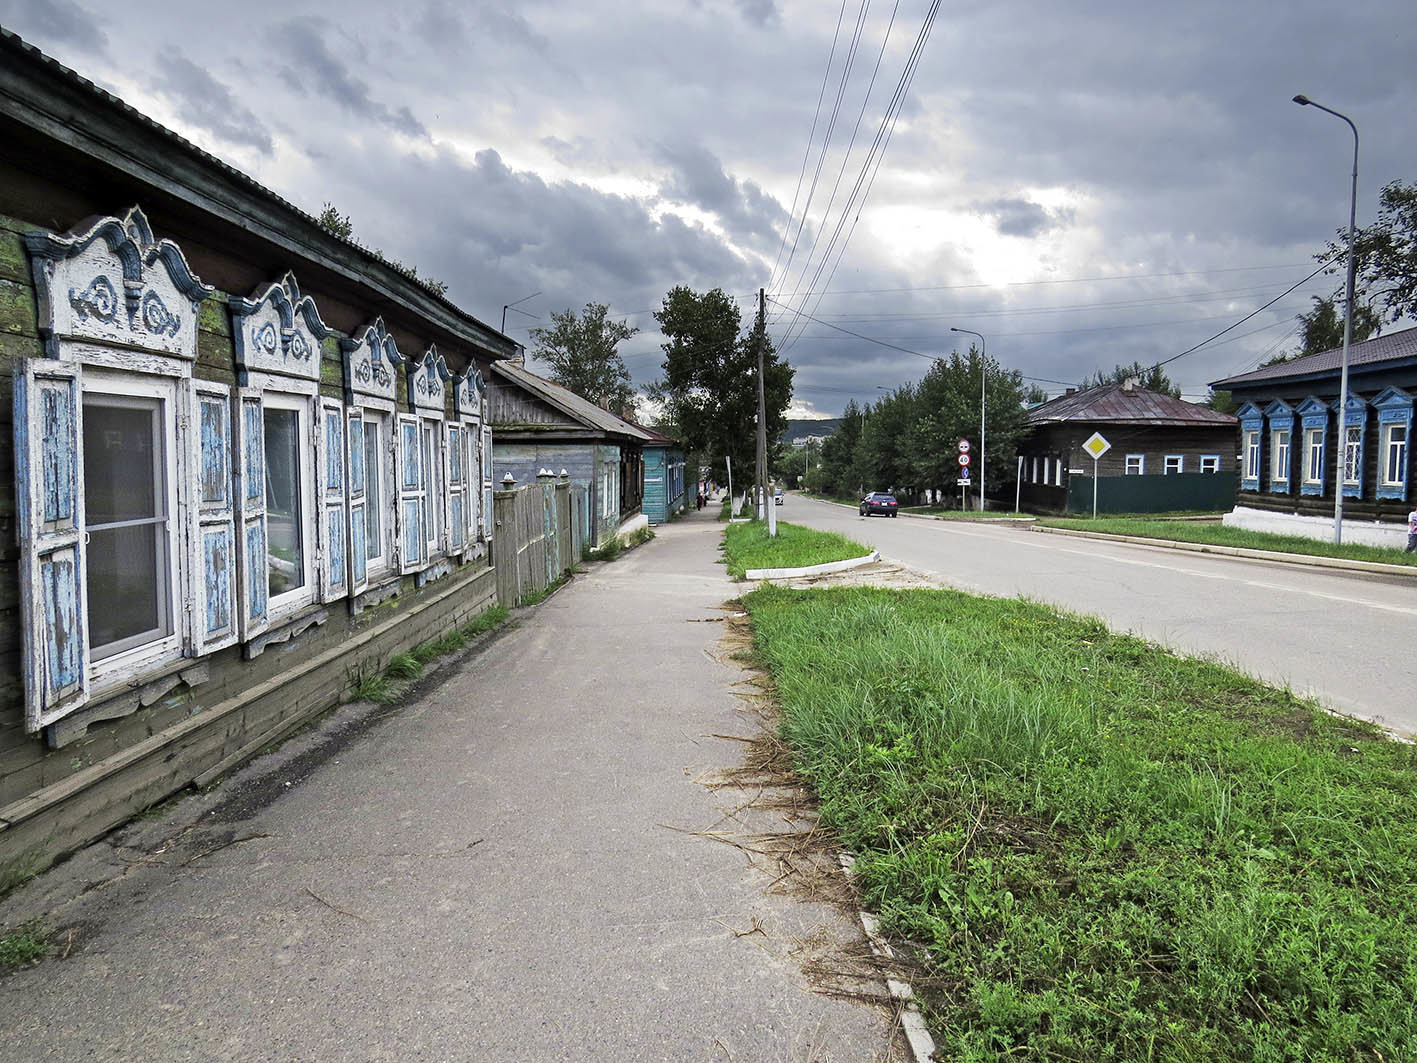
{"x":538,"y":535}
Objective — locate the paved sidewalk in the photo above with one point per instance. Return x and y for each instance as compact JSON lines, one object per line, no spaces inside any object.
{"x":487,"y":873}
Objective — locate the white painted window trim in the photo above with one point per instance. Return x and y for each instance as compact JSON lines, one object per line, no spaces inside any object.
{"x":1279,"y":448}
{"x":118,"y":669}
{"x":1352,"y":454}
{"x":1313,"y":455}
{"x":1388,"y":445}
{"x":1179,"y":459}
{"x":1210,"y":463}
{"x":279,"y":393}
{"x":1252,"y":454}
{"x":1137,"y":460}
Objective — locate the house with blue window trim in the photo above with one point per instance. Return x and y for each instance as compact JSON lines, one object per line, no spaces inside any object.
{"x":1293,"y":438}
{"x":233,"y":494}
{"x":665,"y":493}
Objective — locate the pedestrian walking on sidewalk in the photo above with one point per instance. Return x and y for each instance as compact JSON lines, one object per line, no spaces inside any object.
{"x":1412,"y":530}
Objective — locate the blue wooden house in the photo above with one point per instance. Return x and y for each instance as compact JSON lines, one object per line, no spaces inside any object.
{"x":1292,"y":434}
{"x":540,"y":425}
{"x":665,"y":493}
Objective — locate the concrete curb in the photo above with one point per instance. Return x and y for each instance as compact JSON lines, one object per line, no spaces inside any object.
{"x":1373,"y":567}
{"x":922,"y":1045}
{"x":812,"y":570}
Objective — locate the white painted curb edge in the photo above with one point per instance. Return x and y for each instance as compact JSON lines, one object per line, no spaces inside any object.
{"x":922,"y":1045}
{"x":812,"y":570}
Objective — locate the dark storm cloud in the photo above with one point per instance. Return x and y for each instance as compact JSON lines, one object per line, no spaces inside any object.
{"x":697,"y":178}
{"x":205,"y":102}
{"x":1021,"y":217}
{"x":759,"y":12}
{"x":313,"y":67}
{"x":51,"y":23}
{"x":494,"y":234}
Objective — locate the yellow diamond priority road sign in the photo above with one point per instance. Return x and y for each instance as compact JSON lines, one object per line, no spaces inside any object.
{"x":1096,"y":446}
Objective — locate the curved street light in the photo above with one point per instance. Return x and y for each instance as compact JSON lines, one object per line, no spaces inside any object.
{"x":983,"y":376}
{"x":1342,"y":434}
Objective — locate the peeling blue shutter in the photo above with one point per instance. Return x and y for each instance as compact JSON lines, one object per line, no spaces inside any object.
{"x":487,"y":482}
{"x":50,"y":506}
{"x":332,"y":519}
{"x":457,"y":488}
{"x":252,"y":588}
{"x":358,"y":501}
{"x":211,"y":509}
{"x":413,"y":537}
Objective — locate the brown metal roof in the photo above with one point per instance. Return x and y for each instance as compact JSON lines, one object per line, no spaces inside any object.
{"x":1396,"y":346}
{"x":583,"y":410}
{"x":1116,"y":404}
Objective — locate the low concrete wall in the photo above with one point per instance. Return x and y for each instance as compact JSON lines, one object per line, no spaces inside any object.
{"x":1366,"y":532}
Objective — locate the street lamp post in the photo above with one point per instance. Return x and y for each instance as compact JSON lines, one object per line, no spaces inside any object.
{"x":983,"y":376}
{"x":1342,"y":440}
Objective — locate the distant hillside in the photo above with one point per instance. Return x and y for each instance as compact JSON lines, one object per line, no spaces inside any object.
{"x":797,"y":430}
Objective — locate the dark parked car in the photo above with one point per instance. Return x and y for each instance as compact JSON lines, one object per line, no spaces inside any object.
{"x":879,"y":502}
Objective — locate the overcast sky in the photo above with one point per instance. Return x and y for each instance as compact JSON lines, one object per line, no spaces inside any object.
{"x":1084,"y":183}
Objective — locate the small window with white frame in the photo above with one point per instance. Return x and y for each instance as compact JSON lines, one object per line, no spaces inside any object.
{"x":1210,"y":463}
{"x":1136,"y":465}
{"x":1279,"y":450}
{"x":1394,"y":454}
{"x":1173,"y":464}
{"x":1313,"y":455}
{"x":1252,"y":454}
{"x":1352,"y":454}
{"x":427,"y":400}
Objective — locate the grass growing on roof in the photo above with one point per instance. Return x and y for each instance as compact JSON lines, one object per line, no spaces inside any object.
{"x":747,"y":546}
{"x":1113,"y":852}
{"x":1220,"y":535}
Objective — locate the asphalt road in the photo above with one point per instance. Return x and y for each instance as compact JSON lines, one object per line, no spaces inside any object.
{"x":1344,"y":638}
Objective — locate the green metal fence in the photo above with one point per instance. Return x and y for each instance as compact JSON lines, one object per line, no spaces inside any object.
{"x":1206,"y":491}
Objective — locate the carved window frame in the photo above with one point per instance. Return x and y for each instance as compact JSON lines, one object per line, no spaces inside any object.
{"x":117,"y":315}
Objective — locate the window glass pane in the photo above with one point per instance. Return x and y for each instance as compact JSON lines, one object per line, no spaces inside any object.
{"x":120,"y":482}
{"x":126,"y":510}
{"x":285,"y":569}
{"x":125,"y":574}
{"x":373,"y":491}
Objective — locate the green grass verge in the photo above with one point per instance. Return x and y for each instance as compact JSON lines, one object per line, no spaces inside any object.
{"x":23,"y":945}
{"x":1113,"y":853}
{"x":747,"y":546}
{"x":962,"y":514}
{"x":1220,"y":535}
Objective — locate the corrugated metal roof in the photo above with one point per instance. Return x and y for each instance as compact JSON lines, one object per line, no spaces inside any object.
{"x":1114,"y":403}
{"x":1396,"y":346}
{"x":583,"y":410}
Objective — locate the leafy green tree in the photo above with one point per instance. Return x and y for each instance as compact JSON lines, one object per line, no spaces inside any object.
{"x":1385,"y":254}
{"x":582,"y":352}
{"x":1321,"y":329}
{"x":1150,"y":377}
{"x":1221,"y":401}
{"x":949,"y":412}
{"x":710,"y":387}
{"x":839,"y":454}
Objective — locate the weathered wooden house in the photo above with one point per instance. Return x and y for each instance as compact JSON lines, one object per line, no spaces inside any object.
{"x":1289,"y":427}
{"x":539,"y":425}
{"x":1165,"y":453}
{"x":225,"y":496}
{"x":665,"y":492}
